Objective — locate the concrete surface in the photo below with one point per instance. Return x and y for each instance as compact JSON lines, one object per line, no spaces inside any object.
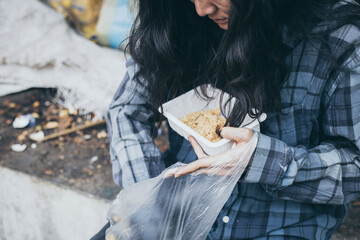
{"x":34,"y":209}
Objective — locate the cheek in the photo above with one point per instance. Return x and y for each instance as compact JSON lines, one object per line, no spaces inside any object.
{"x":225,"y":6}
{"x":228,"y":7}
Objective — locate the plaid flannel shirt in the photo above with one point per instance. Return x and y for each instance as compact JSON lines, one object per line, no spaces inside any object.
{"x":306,"y":166}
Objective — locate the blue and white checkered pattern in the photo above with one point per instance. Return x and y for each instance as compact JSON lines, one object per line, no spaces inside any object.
{"x":306,"y":166}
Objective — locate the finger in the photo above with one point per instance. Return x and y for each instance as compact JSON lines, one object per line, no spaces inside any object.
{"x":170,"y":172}
{"x":215,"y":171}
{"x":237,"y":134}
{"x":193,"y":166}
{"x":197,"y":148}
{"x":239,"y":144}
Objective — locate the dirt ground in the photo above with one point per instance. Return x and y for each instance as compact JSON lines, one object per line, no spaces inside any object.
{"x":81,"y":159}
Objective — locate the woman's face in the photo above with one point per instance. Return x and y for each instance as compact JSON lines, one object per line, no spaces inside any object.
{"x":216,"y":10}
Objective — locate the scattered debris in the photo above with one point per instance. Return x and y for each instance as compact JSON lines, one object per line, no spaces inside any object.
{"x":51,"y":125}
{"x":74,"y":129}
{"x":18,"y":147}
{"x":49,"y":172}
{"x":38,"y":136}
{"x":24,"y":121}
{"x":12,"y":105}
{"x":22,"y":136}
{"x":36,"y":104}
{"x":20,"y":122}
{"x":87,"y":137}
{"x":63,"y":113}
{"x":35,"y":115}
{"x":64,"y":123}
{"x":88,"y":171}
{"x":94,"y":159}
{"x":102,"y":134}
{"x":89,"y":116}
{"x":32,"y":120}
{"x":73,"y":111}
{"x":61,"y":153}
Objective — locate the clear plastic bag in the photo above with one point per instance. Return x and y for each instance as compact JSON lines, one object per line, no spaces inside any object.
{"x":178,"y":208}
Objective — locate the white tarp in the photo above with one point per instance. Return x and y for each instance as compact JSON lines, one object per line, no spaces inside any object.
{"x":39,"y":49}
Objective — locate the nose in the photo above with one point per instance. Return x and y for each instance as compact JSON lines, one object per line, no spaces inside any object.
{"x":204,"y":7}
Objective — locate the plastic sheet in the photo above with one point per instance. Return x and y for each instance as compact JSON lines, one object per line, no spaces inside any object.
{"x":39,"y":49}
{"x":178,"y":208}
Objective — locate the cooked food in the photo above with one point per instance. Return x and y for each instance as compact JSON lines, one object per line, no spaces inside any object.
{"x":207,"y":123}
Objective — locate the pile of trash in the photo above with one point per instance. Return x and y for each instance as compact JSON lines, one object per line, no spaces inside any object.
{"x":77,"y":157}
{"x":39,"y":49}
{"x":40,"y":121}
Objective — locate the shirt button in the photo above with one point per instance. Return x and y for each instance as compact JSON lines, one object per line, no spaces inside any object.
{"x":226,"y":219}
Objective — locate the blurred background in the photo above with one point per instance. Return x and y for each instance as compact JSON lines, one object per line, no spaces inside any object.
{"x":61,"y":62}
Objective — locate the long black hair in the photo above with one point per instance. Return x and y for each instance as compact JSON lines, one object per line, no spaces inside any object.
{"x":177,"y":50}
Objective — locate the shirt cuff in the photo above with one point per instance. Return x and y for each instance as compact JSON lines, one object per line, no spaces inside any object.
{"x":269,"y":162}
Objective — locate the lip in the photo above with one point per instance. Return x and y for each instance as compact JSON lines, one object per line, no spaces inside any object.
{"x":220,"y":20}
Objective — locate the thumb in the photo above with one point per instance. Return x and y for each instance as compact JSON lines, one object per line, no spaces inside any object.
{"x":237,"y":134}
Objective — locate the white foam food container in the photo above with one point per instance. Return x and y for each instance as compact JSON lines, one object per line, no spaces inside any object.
{"x":190,"y":102}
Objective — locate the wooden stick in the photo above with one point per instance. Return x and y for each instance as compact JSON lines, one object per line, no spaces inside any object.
{"x":71,"y":130}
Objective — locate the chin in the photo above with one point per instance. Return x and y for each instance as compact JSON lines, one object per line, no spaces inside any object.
{"x":223,"y":26}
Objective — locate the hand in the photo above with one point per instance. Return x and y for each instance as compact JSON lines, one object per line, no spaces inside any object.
{"x":224,"y":163}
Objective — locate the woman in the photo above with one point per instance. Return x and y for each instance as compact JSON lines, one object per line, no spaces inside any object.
{"x":297,"y":61}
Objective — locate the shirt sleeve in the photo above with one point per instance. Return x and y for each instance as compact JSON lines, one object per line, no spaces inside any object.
{"x":328,"y":173}
{"x":134,"y":155}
